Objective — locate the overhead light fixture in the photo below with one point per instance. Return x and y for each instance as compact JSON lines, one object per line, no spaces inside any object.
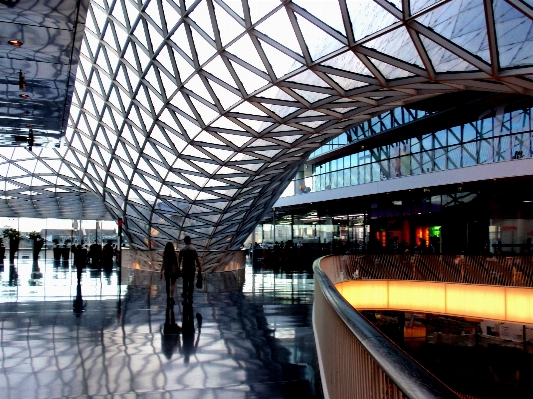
{"x":24,"y":95}
{"x":15,"y":42}
{"x":22,"y":80}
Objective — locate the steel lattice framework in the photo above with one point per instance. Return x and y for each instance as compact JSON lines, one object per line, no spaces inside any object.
{"x":191,"y":117}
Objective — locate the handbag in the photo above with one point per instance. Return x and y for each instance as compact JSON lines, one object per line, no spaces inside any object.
{"x":199,"y":281}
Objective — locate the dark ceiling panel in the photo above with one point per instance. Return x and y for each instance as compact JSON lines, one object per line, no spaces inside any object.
{"x":36,"y":78}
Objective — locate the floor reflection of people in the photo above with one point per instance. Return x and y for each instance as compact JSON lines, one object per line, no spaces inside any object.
{"x":189,"y":344}
{"x":171,"y":333}
{"x":78,"y":306}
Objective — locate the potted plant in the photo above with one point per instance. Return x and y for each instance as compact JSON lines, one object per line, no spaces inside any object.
{"x":37,"y":243}
{"x":14,"y":237}
{"x":66,"y":249}
{"x":56,"y":250}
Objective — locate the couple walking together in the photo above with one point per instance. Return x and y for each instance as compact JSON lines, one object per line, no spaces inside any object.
{"x":187,"y":260}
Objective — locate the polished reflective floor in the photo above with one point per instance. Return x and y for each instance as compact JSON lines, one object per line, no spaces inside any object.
{"x":248,"y":334}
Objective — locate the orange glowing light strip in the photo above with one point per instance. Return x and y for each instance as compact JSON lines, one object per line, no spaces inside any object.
{"x":512,"y":304}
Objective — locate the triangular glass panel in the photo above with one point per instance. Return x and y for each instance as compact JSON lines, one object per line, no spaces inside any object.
{"x":311,"y":96}
{"x":275,"y":93}
{"x":156,"y":38}
{"x":185,"y":69}
{"x":368,"y":11}
{"x":168,"y":118}
{"x":181,"y":40}
{"x":243,"y":157}
{"x":131,"y":11}
{"x":397,"y":44}
{"x":236,"y":139}
{"x":169,"y":85}
{"x":390,"y":71}
{"x":281,"y":110}
{"x":236,"y":7}
{"x":249,"y":109}
{"x":347,"y":84}
{"x":196,"y":85}
{"x":153,"y":11}
{"x":100,"y":18}
{"x":252,"y":167}
{"x":225,"y":123}
{"x":313,"y":125}
{"x":189,"y":3}
{"x":201,"y":16}
{"x":418,"y":5}
{"x":318,"y":42}
{"x":289,"y":139}
{"x":284,"y":128}
{"x":179,"y":102}
{"x":281,"y":63}
{"x":330,"y":13}
{"x":444,"y":60}
{"x":206,"y":137}
{"x":208,"y":167}
{"x":455,"y":21}
{"x":188,"y":193}
{"x":258,"y":9}
{"x":254,"y":125}
{"x":249,"y":80}
{"x":308,"y":78}
{"x":349,"y":62}
{"x":191,"y":128}
{"x":222,"y":155}
{"x":204,"y":49}
{"x":118,"y":13}
{"x":226,"y":97}
{"x":228,"y":27}
{"x":514,"y":35}
{"x":140,"y":35}
{"x":217,"y":68}
{"x":172,"y":16}
{"x":122,"y":36}
{"x":207,"y":114}
{"x":285,"y":36}
{"x":245,"y":50}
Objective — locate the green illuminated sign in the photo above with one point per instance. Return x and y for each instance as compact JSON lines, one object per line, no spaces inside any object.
{"x":434,"y":231}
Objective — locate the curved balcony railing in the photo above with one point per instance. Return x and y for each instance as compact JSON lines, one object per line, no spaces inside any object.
{"x":356,"y":360}
{"x":486,"y":270}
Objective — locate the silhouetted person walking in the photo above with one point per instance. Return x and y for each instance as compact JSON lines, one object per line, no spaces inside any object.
{"x":188,"y":260}
{"x":170,"y":270}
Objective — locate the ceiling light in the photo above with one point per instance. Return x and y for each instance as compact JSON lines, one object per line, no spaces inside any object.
{"x":15,"y":42}
{"x":23,"y":95}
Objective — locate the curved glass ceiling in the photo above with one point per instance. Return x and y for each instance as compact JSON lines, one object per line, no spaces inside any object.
{"x":191,"y":117}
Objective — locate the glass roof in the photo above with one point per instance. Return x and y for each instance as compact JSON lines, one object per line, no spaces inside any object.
{"x":190,"y":118}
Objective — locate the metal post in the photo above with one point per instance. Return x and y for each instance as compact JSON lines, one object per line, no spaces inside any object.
{"x":274,"y":224}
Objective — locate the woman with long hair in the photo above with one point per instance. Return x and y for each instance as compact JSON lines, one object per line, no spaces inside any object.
{"x":170,"y":269}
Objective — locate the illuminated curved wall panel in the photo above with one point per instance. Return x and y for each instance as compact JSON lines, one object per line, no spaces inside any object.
{"x":190,"y":117}
{"x":513,"y":304}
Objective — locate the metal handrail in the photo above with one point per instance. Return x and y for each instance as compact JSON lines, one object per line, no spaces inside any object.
{"x":396,"y":375}
{"x":471,"y":269}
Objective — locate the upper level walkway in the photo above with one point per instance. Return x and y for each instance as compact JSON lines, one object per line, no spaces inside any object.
{"x":482,"y":293}
{"x":247,"y":334}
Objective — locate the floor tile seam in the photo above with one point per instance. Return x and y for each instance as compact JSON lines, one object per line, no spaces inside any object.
{"x":224,"y":387}
{"x":142,"y":392}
